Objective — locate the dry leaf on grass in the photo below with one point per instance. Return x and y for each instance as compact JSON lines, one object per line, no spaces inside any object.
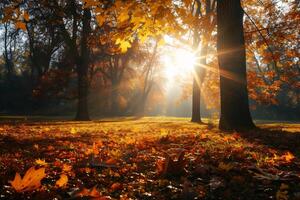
{"x":41,"y":162}
{"x":31,"y":180}
{"x":93,"y":193}
{"x":62,"y":181}
{"x":170,"y":167}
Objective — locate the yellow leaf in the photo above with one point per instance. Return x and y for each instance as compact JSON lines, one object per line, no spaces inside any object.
{"x":66,"y":168}
{"x":124,"y":45}
{"x":20,"y":25}
{"x":41,"y":162}
{"x":73,"y":130}
{"x":62,"y":181}
{"x":31,"y":180}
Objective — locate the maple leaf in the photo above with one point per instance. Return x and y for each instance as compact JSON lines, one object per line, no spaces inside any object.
{"x":93,"y":192}
{"x":124,"y":45}
{"x":30,"y":181}
{"x":62,"y":181}
{"x":170,"y":167}
{"x":41,"y":162}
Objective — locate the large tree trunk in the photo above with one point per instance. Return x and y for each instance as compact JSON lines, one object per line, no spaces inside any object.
{"x":82,"y":69}
{"x":235,"y":114}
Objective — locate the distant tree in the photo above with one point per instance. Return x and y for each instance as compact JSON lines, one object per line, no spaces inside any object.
{"x":78,"y":44}
{"x":199,"y":32}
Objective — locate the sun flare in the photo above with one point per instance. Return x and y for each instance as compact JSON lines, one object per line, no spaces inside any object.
{"x":178,"y":63}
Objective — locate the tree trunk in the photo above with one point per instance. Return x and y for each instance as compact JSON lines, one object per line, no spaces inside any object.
{"x":200,"y":69}
{"x":235,"y":114}
{"x":8,"y":55}
{"x":196,"y":96}
{"x":115,"y":108}
{"x":197,"y":85}
{"x":82,"y":69}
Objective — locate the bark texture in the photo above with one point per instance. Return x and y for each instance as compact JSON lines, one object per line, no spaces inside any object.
{"x":235,"y":114}
{"x":82,"y":69}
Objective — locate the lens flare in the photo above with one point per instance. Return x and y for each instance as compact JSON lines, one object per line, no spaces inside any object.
{"x":179,"y":63}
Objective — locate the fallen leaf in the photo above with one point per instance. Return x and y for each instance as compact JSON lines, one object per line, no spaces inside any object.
{"x":62,"y":181}
{"x":66,"y":168}
{"x":111,"y":161}
{"x":93,"y":192}
{"x":288,"y":157}
{"x":41,"y":162}
{"x":31,"y":180}
{"x":73,"y":130}
{"x":116,"y":186}
{"x":170,"y":167}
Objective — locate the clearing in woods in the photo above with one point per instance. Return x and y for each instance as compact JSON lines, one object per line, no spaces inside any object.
{"x":148,"y":158}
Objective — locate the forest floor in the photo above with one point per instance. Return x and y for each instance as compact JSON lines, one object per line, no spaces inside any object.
{"x":147,"y":158}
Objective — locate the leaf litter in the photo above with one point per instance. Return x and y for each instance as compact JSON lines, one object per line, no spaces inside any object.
{"x":149,"y":158}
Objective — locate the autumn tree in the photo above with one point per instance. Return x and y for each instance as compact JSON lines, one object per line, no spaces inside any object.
{"x":272,"y":42}
{"x":235,"y":114}
{"x":79,"y":51}
{"x":60,"y":15}
{"x":201,"y":31}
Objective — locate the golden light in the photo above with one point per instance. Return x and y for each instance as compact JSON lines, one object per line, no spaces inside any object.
{"x":178,"y":63}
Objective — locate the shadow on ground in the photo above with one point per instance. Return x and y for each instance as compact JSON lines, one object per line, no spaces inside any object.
{"x":277,"y":139}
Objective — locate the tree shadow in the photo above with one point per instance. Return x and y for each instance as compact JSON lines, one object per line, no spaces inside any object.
{"x":60,"y":121}
{"x":12,"y":144}
{"x":278,"y":139}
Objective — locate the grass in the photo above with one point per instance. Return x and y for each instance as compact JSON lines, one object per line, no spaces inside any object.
{"x":132,"y":158}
